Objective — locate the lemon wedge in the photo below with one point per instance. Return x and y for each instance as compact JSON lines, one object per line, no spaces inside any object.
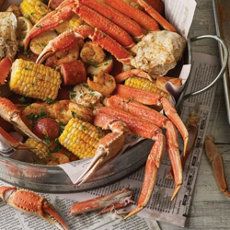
{"x":24,"y":26}
{"x":39,"y":43}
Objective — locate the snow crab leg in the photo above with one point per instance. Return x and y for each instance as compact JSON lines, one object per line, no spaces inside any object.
{"x":118,"y":18}
{"x":90,"y":16}
{"x":137,"y":15}
{"x":10,"y":113}
{"x":108,"y":147}
{"x":10,"y":141}
{"x":216,"y":161}
{"x":148,"y":98}
{"x":159,"y":120}
{"x":68,"y":39}
{"x":142,"y":128}
{"x":138,"y":125}
{"x":31,"y":202}
{"x":154,"y":14}
{"x":116,"y":200}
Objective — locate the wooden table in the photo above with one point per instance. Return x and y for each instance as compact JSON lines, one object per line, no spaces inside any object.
{"x":210,"y":209}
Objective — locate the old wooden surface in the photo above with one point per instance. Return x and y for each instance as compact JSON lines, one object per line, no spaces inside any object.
{"x":210,"y":209}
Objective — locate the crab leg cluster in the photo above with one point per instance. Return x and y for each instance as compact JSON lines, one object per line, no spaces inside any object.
{"x":66,"y":41}
{"x":115,"y":25}
{"x":31,"y":202}
{"x":124,"y":113}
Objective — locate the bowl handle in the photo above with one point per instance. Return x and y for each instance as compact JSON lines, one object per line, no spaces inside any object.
{"x":184,"y":96}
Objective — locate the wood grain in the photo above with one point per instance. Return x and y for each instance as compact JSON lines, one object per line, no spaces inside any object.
{"x":210,"y":208}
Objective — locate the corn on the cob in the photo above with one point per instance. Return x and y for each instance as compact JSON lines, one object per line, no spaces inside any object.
{"x":33,"y":9}
{"x":146,"y":85}
{"x":70,"y":24}
{"x":34,"y":80}
{"x":81,"y":138}
{"x":39,"y":148}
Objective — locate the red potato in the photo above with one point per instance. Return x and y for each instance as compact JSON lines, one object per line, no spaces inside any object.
{"x":47,"y":127}
{"x":73,"y":72}
{"x":106,"y":67}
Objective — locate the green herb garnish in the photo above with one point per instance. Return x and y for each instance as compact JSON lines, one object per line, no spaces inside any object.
{"x":49,"y":101}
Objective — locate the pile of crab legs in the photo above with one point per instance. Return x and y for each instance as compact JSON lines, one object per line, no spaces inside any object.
{"x":29,"y":201}
{"x":110,"y":24}
{"x":122,"y":114}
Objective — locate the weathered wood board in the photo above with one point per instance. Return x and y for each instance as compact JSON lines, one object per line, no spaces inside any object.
{"x":210,"y":208}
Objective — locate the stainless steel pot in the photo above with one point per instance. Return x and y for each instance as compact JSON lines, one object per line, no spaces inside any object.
{"x":54,"y":179}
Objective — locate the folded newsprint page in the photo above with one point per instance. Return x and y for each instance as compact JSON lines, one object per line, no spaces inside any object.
{"x":160,"y":207}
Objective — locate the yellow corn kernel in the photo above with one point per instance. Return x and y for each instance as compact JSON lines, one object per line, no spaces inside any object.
{"x":81,"y":138}
{"x":146,"y":85}
{"x":39,"y":148}
{"x":70,"y":24}
{"x":34,"y":80}
{"x":34,"y":10}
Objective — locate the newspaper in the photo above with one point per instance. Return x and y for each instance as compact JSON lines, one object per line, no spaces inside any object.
{"x":160,"y":207}
{"x":180,"y":13}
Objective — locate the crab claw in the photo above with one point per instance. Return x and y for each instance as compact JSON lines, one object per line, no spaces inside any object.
{"x":108,"y":147}
{"x":8,"y":142}
{"x":10,"y":113}
{"x":31,"y":202}
{"x":5,"y":65}
{"x":65,"y":41}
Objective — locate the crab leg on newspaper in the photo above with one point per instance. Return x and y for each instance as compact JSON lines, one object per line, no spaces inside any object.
{"x":216,"y":161}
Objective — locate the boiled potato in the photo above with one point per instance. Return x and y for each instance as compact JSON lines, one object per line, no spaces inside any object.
{"x":39,"y":43}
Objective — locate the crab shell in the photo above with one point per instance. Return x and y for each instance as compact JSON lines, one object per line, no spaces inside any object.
{"x":31,"y":202}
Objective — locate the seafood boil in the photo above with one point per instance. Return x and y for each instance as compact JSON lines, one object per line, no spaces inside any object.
{"x":83,"y":75}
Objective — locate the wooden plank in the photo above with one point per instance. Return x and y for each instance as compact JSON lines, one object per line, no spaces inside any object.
{"x":210,"y":208}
